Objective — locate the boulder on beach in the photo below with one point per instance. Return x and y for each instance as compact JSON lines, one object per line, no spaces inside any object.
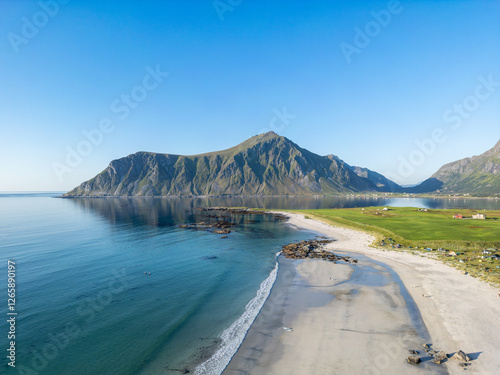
{"x":461,"y":356}
{"x":440,"y":357}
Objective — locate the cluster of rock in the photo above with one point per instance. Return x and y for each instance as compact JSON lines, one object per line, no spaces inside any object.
{"x":220,"y":226}
{"x":438,"y":357}
{"x":313,"y":249}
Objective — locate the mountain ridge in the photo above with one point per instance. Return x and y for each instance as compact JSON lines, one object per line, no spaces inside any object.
{"x":265,"y":164}
{"x":478,"y":175}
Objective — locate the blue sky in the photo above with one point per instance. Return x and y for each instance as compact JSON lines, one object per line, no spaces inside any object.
{"x":189,"y":77}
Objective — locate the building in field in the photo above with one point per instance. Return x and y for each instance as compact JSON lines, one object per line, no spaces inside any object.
{"x":458,"y":216}
{"x":479,"y":217}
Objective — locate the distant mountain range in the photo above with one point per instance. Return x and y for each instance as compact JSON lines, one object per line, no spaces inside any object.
{"x":269,"y":164}
{"x":478,"y":175}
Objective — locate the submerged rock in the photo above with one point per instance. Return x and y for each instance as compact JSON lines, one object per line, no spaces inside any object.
{"x":222,"y":231}
{"x":220,"y":224}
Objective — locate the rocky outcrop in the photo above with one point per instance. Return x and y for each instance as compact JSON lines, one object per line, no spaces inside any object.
{"x":313,"y":249}
{"x":241,"y":211}
{"x":220,"y":226}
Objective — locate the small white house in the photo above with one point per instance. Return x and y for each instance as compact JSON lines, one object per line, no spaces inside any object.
{"x":479,"y":217}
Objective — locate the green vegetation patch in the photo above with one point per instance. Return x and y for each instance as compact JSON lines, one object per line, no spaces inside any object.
{"x":410,"y":224}
{"x":458,"y":242}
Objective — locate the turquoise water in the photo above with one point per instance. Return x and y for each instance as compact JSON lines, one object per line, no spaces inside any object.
{"x":85,"y":305}
{"x":80,"y":270}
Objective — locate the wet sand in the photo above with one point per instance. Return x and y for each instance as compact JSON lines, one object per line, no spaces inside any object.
{"x":363,"y":319}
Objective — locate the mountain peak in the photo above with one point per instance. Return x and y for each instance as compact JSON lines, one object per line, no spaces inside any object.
{"x":263,"y":138}
{"x":267,"y":136}
{"x":270,"y":134}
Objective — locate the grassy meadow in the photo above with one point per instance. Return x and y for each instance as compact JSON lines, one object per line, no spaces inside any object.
{"x":461,"y":241}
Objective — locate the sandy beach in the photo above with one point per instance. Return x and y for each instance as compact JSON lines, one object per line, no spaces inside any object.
{"x":363,"y":319}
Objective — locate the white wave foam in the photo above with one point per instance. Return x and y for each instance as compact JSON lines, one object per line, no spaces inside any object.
{"x":234,"y":335}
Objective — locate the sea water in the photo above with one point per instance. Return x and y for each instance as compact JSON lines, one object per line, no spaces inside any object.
{"x":115,"y":286}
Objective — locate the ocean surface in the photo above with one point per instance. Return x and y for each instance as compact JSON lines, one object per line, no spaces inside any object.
{"x":114,"y":286}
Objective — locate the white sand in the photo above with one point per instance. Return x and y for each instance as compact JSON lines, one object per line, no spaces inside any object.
{"x":460,"y":313}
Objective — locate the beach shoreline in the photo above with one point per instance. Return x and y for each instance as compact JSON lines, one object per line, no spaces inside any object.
{"x":459,"y":313}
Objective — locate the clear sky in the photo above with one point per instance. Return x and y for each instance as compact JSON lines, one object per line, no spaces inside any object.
{"x":364,"y":80}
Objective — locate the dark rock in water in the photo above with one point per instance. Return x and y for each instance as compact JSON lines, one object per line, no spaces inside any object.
{"x":182,"y":371}
{"x":221,"y":226}
{"x":203,"y":224}
{"x":209,"y":257}
{"x":413,"y":360}
{"x":224,"y":237}
{"x":461,"y":356}
{"x":222,"y":231}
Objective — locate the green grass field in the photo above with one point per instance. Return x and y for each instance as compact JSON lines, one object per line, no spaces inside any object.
{"x":410,"y":224}
{"x":417,"y":230}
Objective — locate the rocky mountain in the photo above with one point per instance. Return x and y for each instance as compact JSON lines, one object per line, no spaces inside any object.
{"x":382,"y":182}
{"x":478,"y":175}
{"x":266,"y":164}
